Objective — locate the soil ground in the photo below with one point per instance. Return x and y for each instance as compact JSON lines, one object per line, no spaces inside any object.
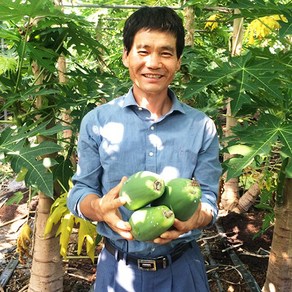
{"x":237,"y":241}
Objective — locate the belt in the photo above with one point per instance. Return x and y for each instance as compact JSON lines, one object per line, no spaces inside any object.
{"x":153,"y":264}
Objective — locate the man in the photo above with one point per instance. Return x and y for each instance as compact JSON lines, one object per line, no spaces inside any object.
{"x":147,"y":129}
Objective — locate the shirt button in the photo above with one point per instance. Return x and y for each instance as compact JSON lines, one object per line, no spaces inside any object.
{"x":139,"y":108}
{"x":151,"y":153}
{"x":152,"y":128}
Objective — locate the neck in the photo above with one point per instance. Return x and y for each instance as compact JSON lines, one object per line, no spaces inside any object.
{"x":158,"y":106}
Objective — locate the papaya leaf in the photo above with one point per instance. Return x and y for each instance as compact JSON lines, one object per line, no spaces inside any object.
{"x":60,"y":213}
{"x":63,"y":171}
{"x":59,"y":202}
{"x":285,"y":136}
{"x":286,"y":27}
{"x":10,"y":136}
{"x":43,"y":130}
{"x":15,"y":198}
{"x":58,"y":210}
{"x":44,"y":56}
{"x":55,"y":218}
{"x":87,"y":231}
{"x":259,"y":143}
{"x":13,"y":144}
{"x":27,"y":158}
{"x":8,"y":35}
{"x":220,"y":74}
{"x":15,"y":10}
{"x":65,"y":230}
{"x":21,"y":174}
{"x":258,"y":8}
{"x":244,"y":77}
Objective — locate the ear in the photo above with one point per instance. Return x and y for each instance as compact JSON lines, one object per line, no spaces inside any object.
{"x":125,"y":58}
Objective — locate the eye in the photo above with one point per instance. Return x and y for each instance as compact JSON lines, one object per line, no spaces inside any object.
{"x":142,"y":52}
{"x":166,"y":54}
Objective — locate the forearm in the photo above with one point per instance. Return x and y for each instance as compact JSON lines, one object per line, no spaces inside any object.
{"x":106,"y":209}
{"x":90,"y":207}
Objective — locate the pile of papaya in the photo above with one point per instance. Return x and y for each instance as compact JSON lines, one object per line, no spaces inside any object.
{"x":156,"y":203}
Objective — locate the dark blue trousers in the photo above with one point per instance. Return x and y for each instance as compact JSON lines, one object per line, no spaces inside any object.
{"x":186,"y":274}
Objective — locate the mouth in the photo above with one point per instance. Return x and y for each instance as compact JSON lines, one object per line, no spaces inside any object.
{"x":152,"y":76}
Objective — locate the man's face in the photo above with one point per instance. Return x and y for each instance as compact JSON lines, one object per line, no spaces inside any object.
{"x":152,"y":62}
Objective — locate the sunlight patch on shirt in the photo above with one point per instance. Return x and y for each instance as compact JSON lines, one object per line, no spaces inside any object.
{"x":169,"y":172}
{"x":156,"y":142}
{"x":113,"y":134}
{"x":111,"y":148}
{"x":95,"y":129}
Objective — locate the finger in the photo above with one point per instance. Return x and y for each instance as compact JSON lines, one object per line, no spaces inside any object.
{"x":120,"y":184}
{"x":170,"y":235}
{"x":178,"y":224}
{"x":118,"y":202}
{"x":123,"y":225}
{"x":123,"y":228}
{"x":114,"y":192}
{"x":160,"y":240}
{"x":127,"y":235}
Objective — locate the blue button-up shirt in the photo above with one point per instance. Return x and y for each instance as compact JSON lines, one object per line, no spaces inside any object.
{"x":120,"y":138}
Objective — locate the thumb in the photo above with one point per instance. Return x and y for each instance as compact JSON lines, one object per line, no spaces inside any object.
{"x":120,"y":184}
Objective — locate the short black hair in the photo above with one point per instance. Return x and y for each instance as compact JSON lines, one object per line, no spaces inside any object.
{"x":154,"y":18}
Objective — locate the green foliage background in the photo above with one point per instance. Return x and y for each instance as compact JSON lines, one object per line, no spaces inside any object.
{"x":258,"y":82}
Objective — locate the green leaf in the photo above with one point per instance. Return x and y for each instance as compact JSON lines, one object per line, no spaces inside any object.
{"x":45,"y":57}
{"x":65,"y":230}
{"x":87,"y":231}
{"x":63,"y":171}
{"x":15,"y":198}
{"x":220,"y":74}
{"x":286,"y":27}
{"x":37,"y":174}
{"x":14,"y":145}
{"x":258,"y":142}
{"x":8,"y":35}
{"x":16,"y":10}
{"x":259,"y":8}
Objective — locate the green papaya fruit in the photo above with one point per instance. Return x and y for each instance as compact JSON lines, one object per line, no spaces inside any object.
{"x":182,"y":196}
{"x":142,"y":188}
{"x":149,"y":222}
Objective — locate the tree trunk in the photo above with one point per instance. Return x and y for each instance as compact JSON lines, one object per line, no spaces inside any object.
{"x":47,"y":268}
{"x":67,"y":119}
{"x":247,"y":199}
{"x":189,"y":25}
{"x":229,"y":197}
{"x":279,"y":273}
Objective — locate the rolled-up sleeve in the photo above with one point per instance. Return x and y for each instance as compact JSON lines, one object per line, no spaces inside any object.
{"x":208,"y":169}
{"x":87,"y":178}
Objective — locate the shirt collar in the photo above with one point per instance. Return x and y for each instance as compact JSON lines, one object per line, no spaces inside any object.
{"x":129,"y":100}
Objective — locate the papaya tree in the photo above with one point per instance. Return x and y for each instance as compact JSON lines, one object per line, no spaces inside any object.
{"x":259,"y":85}
{"x":36,"y":34}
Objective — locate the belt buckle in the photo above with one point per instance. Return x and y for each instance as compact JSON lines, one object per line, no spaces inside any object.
{"x":147,"y":265}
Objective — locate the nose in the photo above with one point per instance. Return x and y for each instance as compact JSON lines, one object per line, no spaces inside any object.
{"x":153,"y":61}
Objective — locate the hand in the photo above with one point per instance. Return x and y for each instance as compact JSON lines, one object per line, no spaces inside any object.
{"x":106,"y":209}
{"x":199,"y":219}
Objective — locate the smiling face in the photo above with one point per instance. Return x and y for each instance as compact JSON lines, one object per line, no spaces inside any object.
{"x":152,"y":63}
